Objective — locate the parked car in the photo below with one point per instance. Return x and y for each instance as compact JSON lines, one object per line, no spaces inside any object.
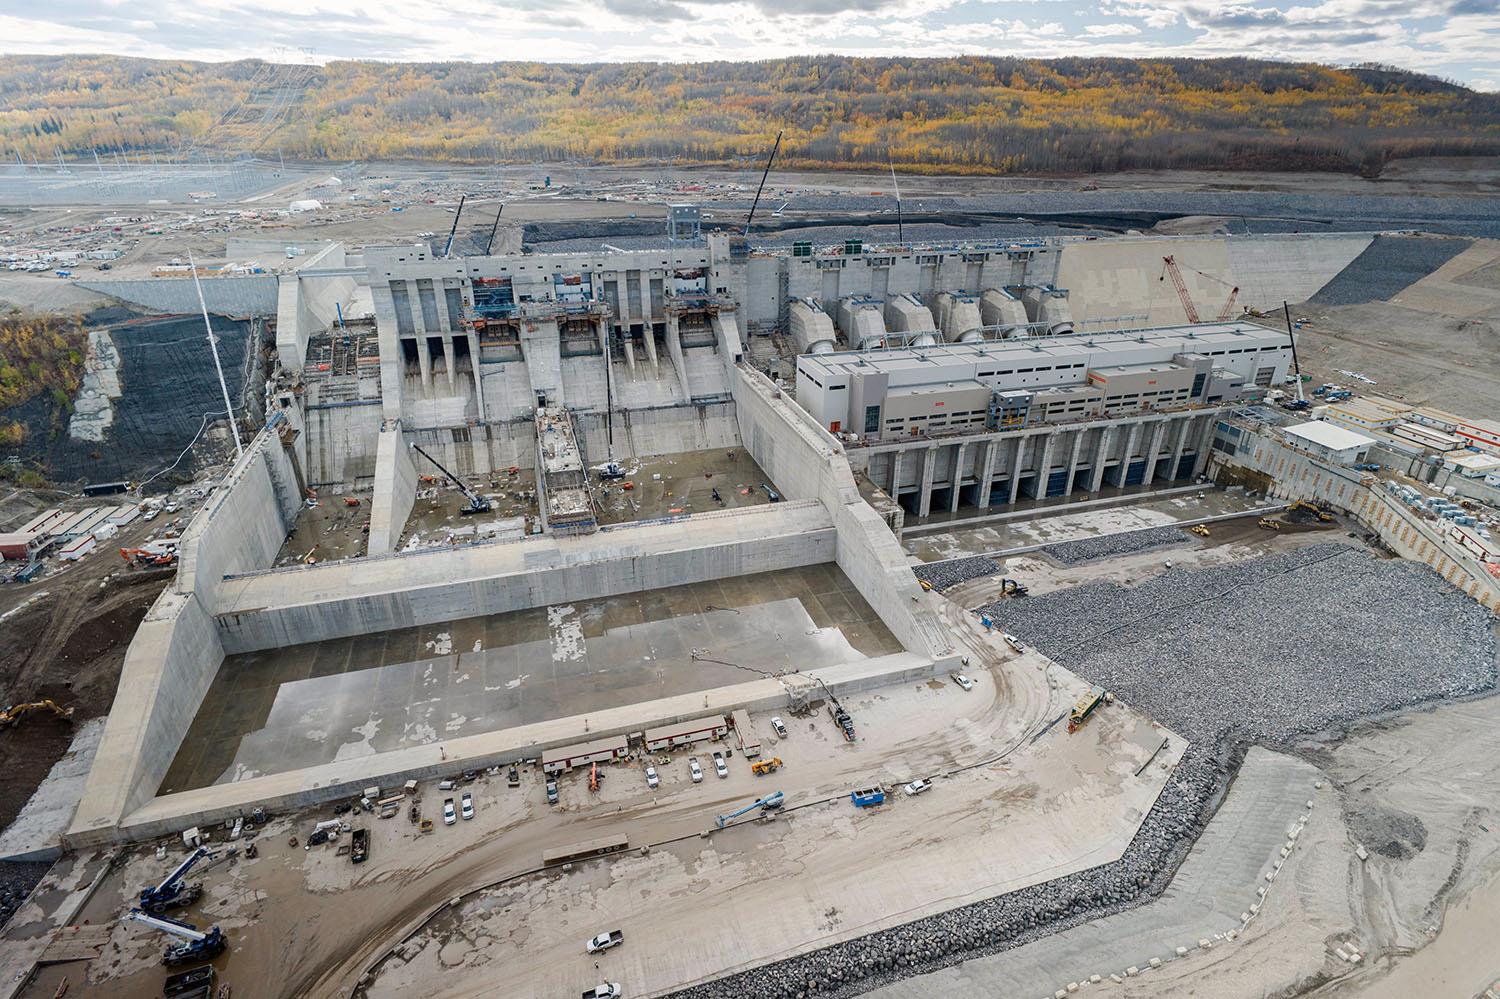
{"x":1012,"y":641}
{"x":449,"y":815}
{"x":778,"y":727}
{"x":466,"y":805}
{"x":695,"y":769}
{"x":963,"y":681}
{"x":513,"y":778}
{"x":652,"y":780}
{"x":917,"y":787}
{"x":551,"y":792}
{"x":720,"y":767}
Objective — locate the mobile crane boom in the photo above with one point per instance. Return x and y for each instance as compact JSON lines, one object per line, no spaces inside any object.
{"x":477,"y":503}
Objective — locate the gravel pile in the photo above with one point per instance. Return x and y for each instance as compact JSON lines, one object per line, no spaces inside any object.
{"x":988,"y":927}
{"x":16,"y":882}
{"x":1387,"y":266}
{"x":1268,"y":648}
{"x":941,"y":575}
{"x":1111,"y":545}
{"x":1253,"y":651}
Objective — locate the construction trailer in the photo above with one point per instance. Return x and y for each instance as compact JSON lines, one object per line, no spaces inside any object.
{"x":686,"y":733}
{"x":565,"y":758}
{"x":749,"y":742}
{"x":124,"y":514}
{"x":41,"y":522}
{"x":77,"y":548}
{"x":22,"y":546}
{"x":1470,"y":540}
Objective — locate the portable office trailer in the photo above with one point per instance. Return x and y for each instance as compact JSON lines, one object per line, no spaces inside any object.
{"x":556,"y":761}
{"x":749,"y":742}
{"x":686,"y":733}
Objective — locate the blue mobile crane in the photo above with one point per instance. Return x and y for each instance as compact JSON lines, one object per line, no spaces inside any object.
{"x":767,"y":803}
{"x":172,"y":893}
{"x":197,"y":945}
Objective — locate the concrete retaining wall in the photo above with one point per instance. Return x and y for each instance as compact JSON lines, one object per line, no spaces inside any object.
{"x":168,"y":669}
{"x":362,"y":596}
{"x":299,"y":789}
{"x":244,"y":524}
{"x":308,"y":302}
{"x":341,"y":443}
{"x":1121,"y":278}
{"x":804,"y":461}
{"x":666,"y":430}
{"x":176,"y":653}
{"x":395,"y":492}
{"x":1297,"y":475}
{"x":244,"y":295}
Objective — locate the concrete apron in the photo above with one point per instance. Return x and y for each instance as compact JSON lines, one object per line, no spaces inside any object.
{"x":297,"y":789}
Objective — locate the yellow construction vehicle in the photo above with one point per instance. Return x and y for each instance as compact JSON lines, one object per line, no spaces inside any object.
{"x":766,"y":766}
{"x":15,"y":713}
{"x":1312,"y":508}
{"x":1199,"y":529}
{"x":1085,"y":707}
{"x":1270,"y":525}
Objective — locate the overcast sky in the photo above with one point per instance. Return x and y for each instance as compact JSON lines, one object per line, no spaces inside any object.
{"x":1459,"y":39}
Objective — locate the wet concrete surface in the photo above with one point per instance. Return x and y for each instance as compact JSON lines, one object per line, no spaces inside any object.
{"x":686,"y":484}
{"x":283,"y":709}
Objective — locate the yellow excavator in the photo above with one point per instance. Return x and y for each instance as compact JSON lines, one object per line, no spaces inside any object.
{"x":9,"y":716}
{"x":1312,"y":508}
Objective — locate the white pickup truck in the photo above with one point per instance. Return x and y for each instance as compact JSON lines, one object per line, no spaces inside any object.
{"x":605,"y":941}
{"x":606,"y":990}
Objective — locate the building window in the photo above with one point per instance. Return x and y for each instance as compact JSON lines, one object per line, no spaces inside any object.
{"x":872,"y":419}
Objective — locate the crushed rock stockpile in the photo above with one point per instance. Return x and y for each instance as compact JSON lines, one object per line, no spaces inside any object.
{"x":942,"y":575}
{"x":1386,"y":267}
{"x":1112,"y":545}
{"x":1252,"y":651}
{"x":1272,"y":647}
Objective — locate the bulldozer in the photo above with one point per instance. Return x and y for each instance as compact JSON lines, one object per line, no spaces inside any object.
{"x":16,"y":712}
{"x":1199,"y":529}
{"x":1268,"y":524}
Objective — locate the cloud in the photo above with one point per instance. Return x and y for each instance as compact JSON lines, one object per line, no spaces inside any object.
{"x":650,"y":10}
{"x":1457,"y":39}
{"x":1233,"y":16}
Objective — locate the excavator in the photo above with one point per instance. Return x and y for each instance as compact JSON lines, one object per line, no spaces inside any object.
{"x":1323,"y":515}
{"x":16,"y":712}
{"x":151,"y":555}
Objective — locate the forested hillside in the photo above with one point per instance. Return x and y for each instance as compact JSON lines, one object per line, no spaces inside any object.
{"x":967,"y":114}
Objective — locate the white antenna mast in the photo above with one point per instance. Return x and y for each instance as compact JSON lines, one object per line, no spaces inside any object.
{"x":213,"y":345}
